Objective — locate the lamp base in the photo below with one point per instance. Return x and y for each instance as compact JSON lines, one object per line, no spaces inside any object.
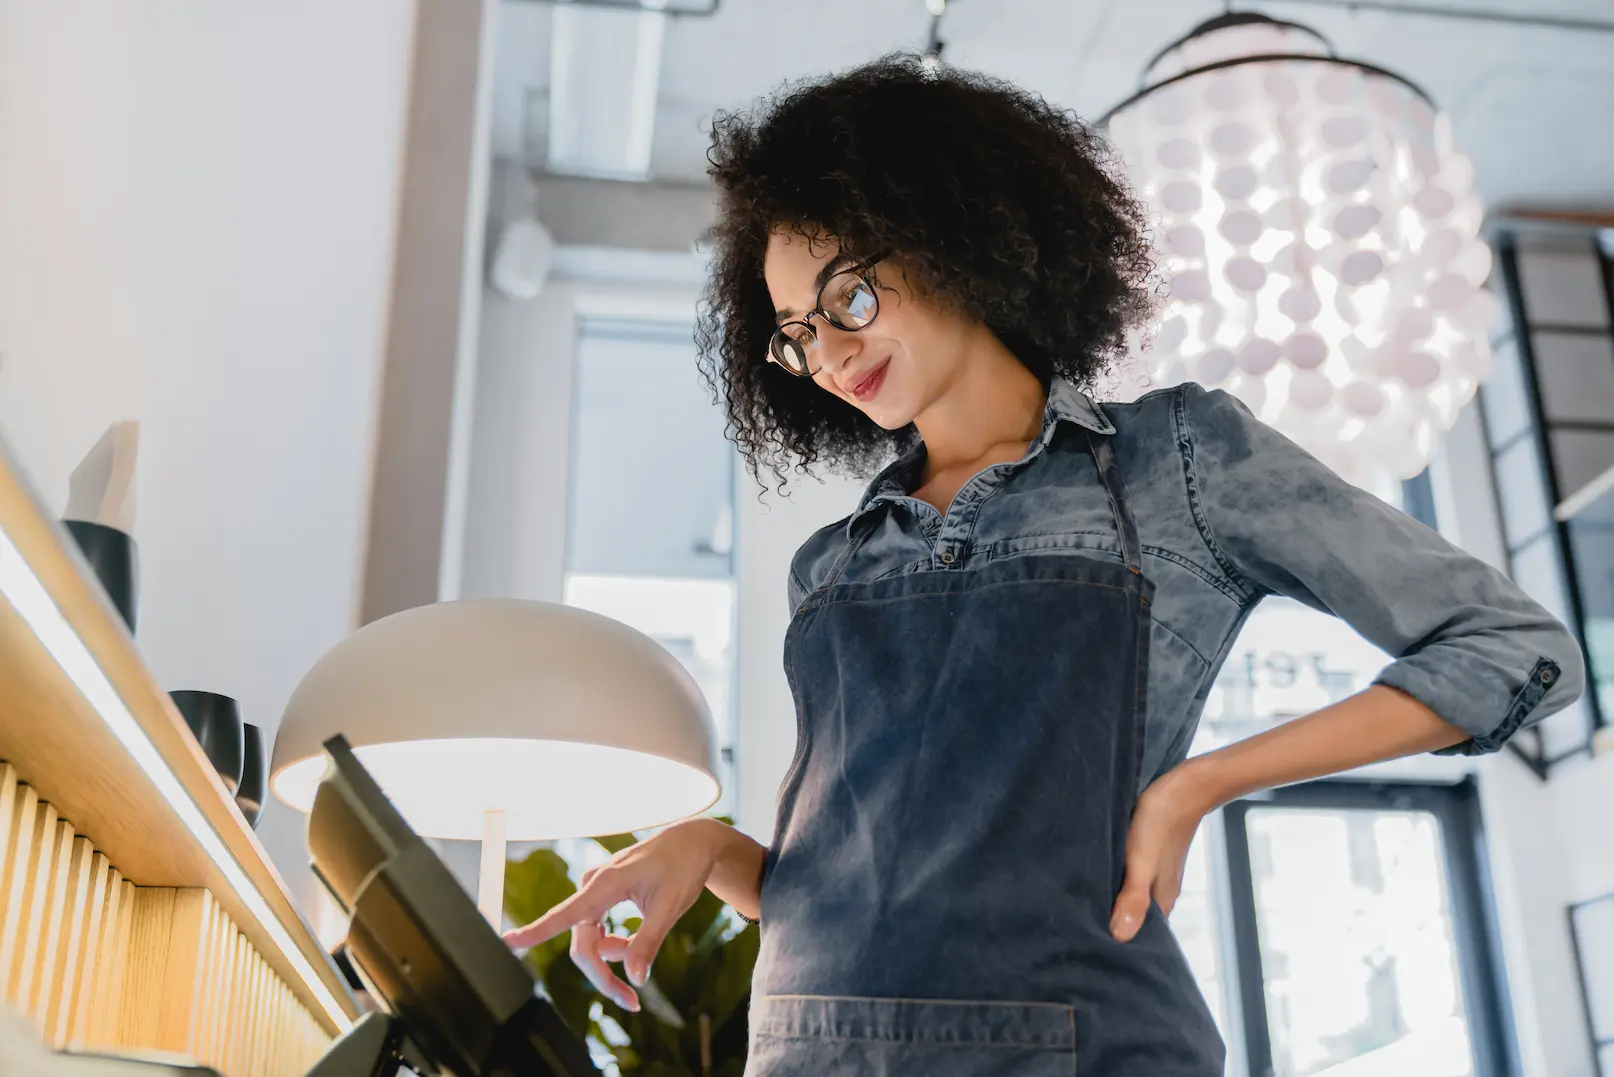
{"x":490,"y":874}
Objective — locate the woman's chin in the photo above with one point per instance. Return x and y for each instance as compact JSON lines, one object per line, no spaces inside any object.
{"x":887,"y":418}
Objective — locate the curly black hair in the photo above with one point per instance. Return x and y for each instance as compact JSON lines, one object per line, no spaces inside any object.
{"x":1003,"y":207}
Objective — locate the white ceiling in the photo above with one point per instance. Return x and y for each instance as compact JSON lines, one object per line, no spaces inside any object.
{"x":1532,"y":107}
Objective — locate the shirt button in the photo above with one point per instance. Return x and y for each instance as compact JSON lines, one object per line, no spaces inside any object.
{"x":947,"y":557}
{"x":1548,"y":676}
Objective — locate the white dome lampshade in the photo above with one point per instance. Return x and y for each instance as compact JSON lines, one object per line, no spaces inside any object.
{"x":1320,"y":238}
{"x":506,"y":719}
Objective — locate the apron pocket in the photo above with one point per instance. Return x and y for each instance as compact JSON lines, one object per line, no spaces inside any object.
{"x":826,"y":1036}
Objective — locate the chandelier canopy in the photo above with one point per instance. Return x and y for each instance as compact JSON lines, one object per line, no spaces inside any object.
{"x":1320,"y":239}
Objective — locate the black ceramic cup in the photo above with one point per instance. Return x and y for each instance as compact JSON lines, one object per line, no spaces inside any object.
{"x":112,"y":555}
{"x":254,"y":774}
{"x":215,"y":721}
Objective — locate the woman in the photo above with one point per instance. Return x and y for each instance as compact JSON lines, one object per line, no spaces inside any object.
{"x":999,"y":659}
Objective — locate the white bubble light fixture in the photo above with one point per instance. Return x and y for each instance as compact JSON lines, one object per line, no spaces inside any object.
{"x":1320,"y":237}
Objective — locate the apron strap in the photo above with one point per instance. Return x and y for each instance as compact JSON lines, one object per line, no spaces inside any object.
{"x":1109,"y":476}
{"x":855,"y":540}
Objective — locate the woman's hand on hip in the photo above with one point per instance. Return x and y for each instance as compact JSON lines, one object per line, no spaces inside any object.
{"x":1163,"y":824}
{"x":662,"y":875}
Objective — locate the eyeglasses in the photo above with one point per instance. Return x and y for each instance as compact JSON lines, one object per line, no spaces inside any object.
{"x":848,"y":300}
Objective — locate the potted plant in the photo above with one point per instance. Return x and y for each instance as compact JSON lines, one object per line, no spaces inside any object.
{"x":692,"y":1020}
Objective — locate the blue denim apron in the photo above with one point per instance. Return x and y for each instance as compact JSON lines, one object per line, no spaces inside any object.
{"x":952,"y":832}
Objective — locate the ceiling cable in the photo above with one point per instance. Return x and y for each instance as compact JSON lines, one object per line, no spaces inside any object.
{"x":934,"y":44}
{"x":1505,"y":18}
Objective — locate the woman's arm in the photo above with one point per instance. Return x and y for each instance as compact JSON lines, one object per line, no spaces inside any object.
{"x":1476,"y":659}
{"x":1372,"y":726}
{"x":1466,"y":642}
{"x":736,"y":877}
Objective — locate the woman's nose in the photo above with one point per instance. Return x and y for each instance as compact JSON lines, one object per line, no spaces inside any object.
{"x":836,"y":347}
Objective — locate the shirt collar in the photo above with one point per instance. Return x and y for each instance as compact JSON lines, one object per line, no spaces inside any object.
{"x":1066,"y":404}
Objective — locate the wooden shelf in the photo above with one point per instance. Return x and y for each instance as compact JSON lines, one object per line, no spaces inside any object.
{"x":66,"y":748}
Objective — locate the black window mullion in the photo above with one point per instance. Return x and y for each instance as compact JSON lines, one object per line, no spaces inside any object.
{"x":1474,"y":925}
{"x":1247,"y":942}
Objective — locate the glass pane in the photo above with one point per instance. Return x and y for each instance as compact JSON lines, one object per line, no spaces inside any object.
{"x":1507,"y":408}
{"x":1525,"y":509}
{"x":1576,"y":373}
{"x":1592,"y":546}
{"x":1582,"y":457}
{"x":651,"y":520}
{"x":1563,"y":287}
{"x":1196,"y":922}
{"x":1357,"y":944}
{"x":1594,"y":946}
{"x":1289,"y":660}
{"x":1539,"y":572}
{"x":652,"y":483}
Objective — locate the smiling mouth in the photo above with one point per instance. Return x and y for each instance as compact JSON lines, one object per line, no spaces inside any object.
{"x":869,"y":384}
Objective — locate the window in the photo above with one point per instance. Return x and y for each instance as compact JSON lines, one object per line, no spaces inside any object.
{"x":1591,"y":923}
{"x":1358,"y":913}
{"x":1546,"y":412}
{"x":650,"y":531}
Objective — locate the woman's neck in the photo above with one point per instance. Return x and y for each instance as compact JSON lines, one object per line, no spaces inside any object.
{"x":992,"y":402}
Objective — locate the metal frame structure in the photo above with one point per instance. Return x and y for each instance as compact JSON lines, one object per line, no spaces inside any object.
{"x":673,"y":8}
{"x":1223,"y":22}
{"x":1602,"y":1040}
{"x":1427,"y":11}
{"x":1474,"y":922}
{"x":1418,"y":499}
{"x":1540,"y":430}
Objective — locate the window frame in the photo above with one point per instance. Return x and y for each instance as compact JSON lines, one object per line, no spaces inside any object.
{"x":1475,"y":933}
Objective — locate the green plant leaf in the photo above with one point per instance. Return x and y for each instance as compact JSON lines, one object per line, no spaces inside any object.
{"x":572,"y":994}
{"x":700,"y":916}
{"x":730,"y":983}
{"x":536,"y":884}
{"x":615,"y":843}
{"x":533,"y":886}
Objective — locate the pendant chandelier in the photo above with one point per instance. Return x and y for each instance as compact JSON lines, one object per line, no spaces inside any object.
{"x":1320,"y":240}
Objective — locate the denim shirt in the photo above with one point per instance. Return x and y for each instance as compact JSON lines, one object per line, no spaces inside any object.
{"x":1229,"y":511}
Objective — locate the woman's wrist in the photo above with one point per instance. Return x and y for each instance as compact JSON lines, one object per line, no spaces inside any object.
{"x":1201,"y":784}
{"x":735,"y":872}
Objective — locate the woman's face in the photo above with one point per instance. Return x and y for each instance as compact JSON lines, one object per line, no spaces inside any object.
{"x":895,"y":367}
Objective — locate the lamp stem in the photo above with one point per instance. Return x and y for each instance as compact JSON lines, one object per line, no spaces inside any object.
{"x":490,"y":875}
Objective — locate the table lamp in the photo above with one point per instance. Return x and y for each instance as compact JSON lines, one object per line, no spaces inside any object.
{"x":506,"y":720}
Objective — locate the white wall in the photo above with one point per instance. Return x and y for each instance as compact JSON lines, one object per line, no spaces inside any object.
{"x":197,"y":205}
{"x":417,"y":495}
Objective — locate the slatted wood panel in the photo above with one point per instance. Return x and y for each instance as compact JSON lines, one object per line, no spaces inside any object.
{"x":95,"y":961}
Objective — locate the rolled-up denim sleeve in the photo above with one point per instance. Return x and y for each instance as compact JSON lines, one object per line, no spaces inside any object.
{"x":1467,"y":643}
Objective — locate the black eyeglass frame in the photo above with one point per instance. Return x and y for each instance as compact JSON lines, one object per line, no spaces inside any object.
{"x":863,"y":271}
